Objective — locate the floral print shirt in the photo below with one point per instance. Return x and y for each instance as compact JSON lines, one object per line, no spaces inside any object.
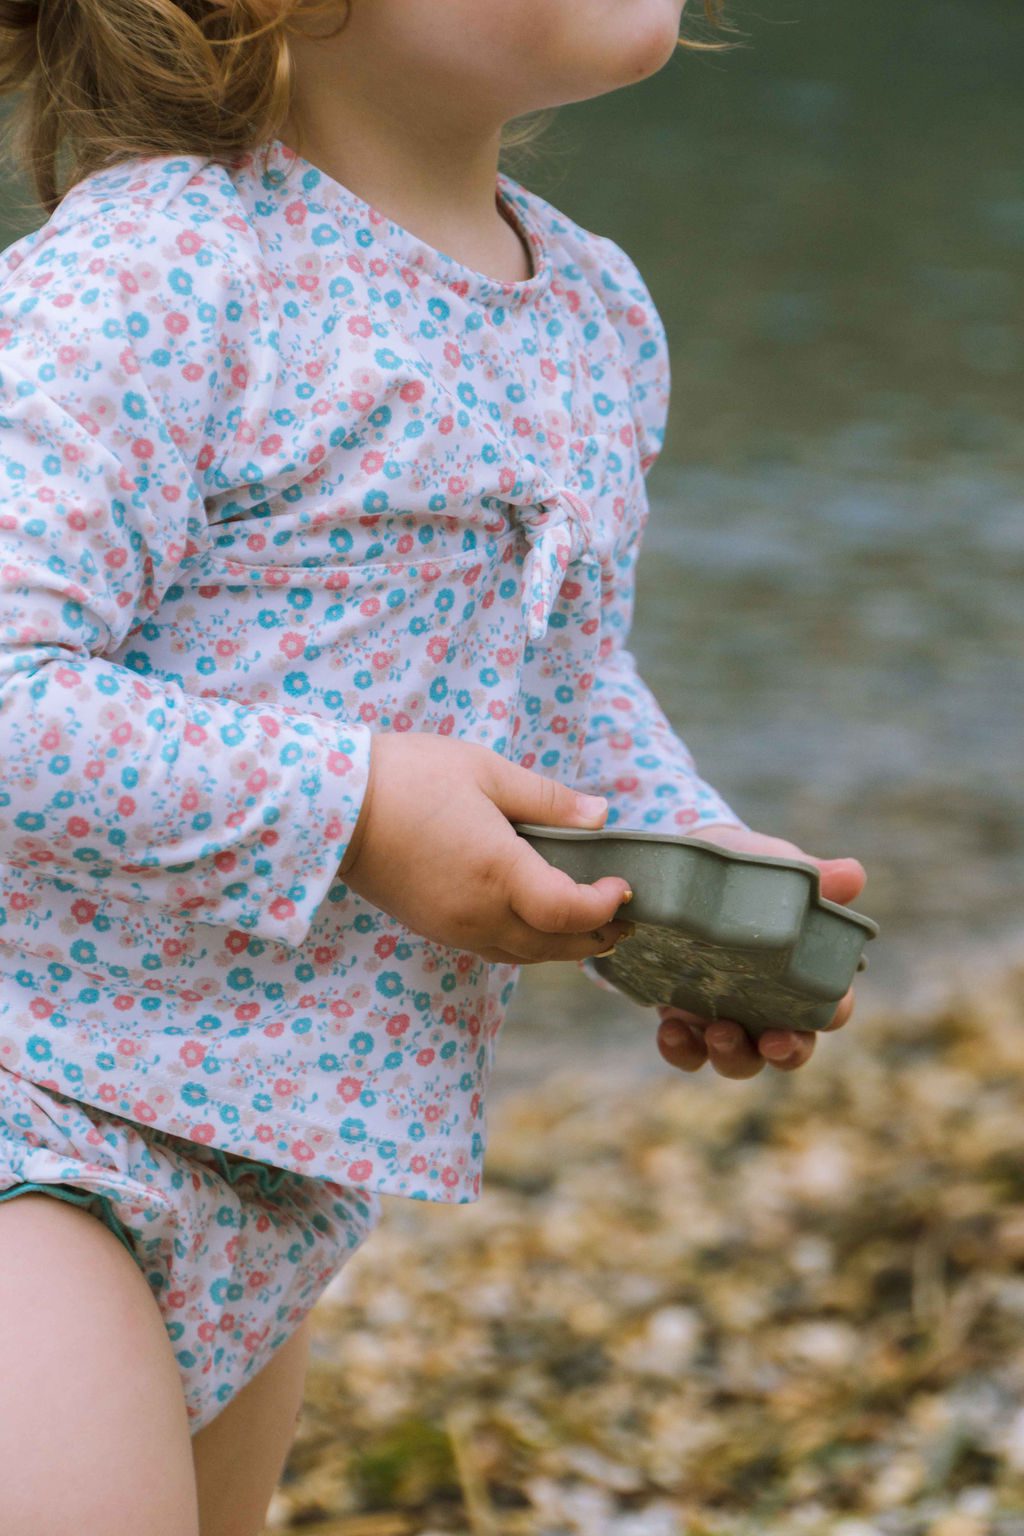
{"x":274,"y":475}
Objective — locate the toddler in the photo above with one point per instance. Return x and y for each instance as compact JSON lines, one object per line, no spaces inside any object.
{"x":321,"y":494}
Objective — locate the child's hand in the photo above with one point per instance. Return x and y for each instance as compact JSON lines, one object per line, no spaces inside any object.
{"x":434,"y":846}
{"x":688,"y":1041}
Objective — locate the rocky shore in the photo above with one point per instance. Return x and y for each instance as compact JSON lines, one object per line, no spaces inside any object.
{"x":790,"y":1307}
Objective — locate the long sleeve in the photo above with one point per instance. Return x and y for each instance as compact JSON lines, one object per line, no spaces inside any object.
{"x":631,"y":753}
{"x":130,"y":351}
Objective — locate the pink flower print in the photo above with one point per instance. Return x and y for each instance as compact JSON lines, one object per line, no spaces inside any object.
{"x":558,"y":422}
{"x":309,"y":273}
{"x":686,"y":816}
{"x":282,"y":908}
{"x":367,"y":379}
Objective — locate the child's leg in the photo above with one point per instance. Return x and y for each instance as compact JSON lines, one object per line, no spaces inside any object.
{"x":240,"y":1455}
{"x":93,"y":1428}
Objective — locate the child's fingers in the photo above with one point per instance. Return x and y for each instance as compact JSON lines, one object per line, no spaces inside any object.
{"x":530,"y":945}
{"x":723,"y":1042}
{"x":681,"y":1044}
{"x":731,"y":1051}
{"x":686,"y":1041}
{"x":843,"y":1011}
{"x":841,"y":880}
{"x":787,"y":1049}
{"x":547,"y":899}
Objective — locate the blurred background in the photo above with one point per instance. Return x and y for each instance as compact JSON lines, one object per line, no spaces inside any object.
{"x":793,"y":1306}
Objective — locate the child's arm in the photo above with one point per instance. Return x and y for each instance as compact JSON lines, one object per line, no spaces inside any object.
{"x":634,"y":758}
{"x":631,"y":749}
{"x":120,"y":395}
{"x":631,"y":754}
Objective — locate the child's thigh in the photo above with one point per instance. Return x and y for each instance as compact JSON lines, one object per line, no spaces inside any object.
{"x":95,"y":1432}
{"x":240,"y":1455}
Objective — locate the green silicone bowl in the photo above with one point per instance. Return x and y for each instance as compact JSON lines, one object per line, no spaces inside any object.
{"x":725,"y":935}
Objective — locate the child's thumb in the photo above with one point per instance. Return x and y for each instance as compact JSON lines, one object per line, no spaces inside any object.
{"x":527,"y":796}
{"x":841,"y":880}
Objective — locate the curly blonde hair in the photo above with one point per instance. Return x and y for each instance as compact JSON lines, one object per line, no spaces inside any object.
{"x":111,"y":79}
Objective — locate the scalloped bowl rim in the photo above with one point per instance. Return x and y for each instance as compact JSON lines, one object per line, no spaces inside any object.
{"x":767,"y":860}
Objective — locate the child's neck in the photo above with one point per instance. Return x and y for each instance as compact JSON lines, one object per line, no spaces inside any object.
{"x":439,"y":185}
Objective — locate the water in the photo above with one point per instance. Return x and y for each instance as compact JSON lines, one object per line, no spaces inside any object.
{"x":831,"y":220}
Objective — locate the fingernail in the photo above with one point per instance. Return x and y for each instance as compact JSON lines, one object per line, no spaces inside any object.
{"x":777,"y":1050}
{"x":628,"y":896}
{"x":673,"y":1034}
{"x":724,"y":1040}
{"x":602,"y":952}
{"x":591,"y":805}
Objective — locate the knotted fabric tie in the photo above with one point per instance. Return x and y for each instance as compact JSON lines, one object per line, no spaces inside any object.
{"x":560,"y":529}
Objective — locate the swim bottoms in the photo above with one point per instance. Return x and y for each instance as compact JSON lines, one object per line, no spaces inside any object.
{"x":235,"y":1251}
